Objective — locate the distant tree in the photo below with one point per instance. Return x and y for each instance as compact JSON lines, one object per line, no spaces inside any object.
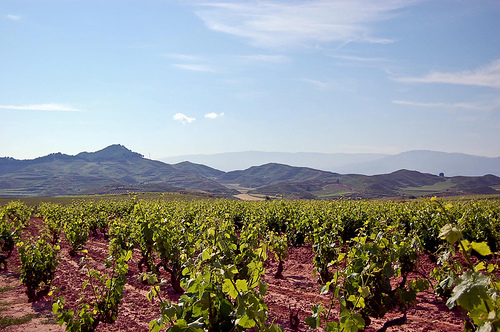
{"x":441,"y":174}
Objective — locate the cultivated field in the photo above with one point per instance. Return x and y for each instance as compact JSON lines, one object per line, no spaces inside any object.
{"x":139,"y":264}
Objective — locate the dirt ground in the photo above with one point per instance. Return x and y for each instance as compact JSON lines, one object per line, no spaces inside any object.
{"x":297,"y":291}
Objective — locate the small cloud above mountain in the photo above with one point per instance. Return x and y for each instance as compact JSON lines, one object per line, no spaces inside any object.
{"x":213,"y":115}
{"x":183,"y":118}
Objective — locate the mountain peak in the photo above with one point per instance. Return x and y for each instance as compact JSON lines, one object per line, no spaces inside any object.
{"x":115,"y":152}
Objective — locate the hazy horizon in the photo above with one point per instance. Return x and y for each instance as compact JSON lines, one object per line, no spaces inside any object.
{"x":181,"y":77}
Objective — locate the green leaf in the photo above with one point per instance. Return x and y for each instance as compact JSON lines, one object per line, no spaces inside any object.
{"x":450,"y":233}
{"x":205,"y":255}
{"x":314,"y":321}
{"x":152,"y":293}
{"x":325,"y":288}
{"x":470,"y":289}
{"x":262,"y":288}
{"x":341,"y":257}
{"x":332,"y":327}
{"x":241,"y":285}
{"x":245,"y":321}
{"x":171,"y":311}
{"x":481,"y":248}
{"x":55,"y":307}
{"x":479,"y":267}
{"x":364,"y":291}
{"x":352,"y":322}
{"x":154,"y":326}
{"x":231,"y":271}
{"x":228,"y":287}
{"x":492,"y":267}
{"x":128,"y":256}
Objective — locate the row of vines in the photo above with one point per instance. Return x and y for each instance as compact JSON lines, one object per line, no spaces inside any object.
{"x":366,"y":256}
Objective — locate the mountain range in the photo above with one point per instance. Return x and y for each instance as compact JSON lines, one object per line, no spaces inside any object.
{"x":116,"y":169}
{"x":433,"y":162}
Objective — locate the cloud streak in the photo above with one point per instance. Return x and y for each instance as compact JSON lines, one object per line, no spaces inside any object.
{"x":359,"y":59}
{"x":288,"y":24}
{"x":324,"y":84}
{"x":41,"y":107}
{"x":185,"y":57}
{"x":467,"y":106}
{"x":265,"y":58}
{"x":195,"y":67}
{"x":486,"y":76}
{"x":13,"y":17}
{"x":183,"y":118}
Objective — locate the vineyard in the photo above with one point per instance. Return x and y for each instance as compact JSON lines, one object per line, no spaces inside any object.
{"x":227,"y":265}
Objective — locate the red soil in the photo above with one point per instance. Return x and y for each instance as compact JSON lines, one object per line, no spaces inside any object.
{"x":298,"y":291}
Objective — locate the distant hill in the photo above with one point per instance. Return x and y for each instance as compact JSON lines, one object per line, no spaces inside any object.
{"x":301,"y":182}
{"x":112,"y":169}
{"x":258,"y":176}
{"x":205,"y":171}
{"x":232,"y":161}
{"x":115,"y":169}
{"x":451,"y":164}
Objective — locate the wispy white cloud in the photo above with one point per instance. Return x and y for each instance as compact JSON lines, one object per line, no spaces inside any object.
{"x":183,"y":118}
{"x":467,"y":106}
{"x":265,"y":58}
{"x":323,"y":84}
{"x":290,"y":23}
{"x":359,"y":59}
{"x":13,"y":17}
{"x":488,"y":76}
{"x":41,"y":107}
{"x":185,"y":57}
{"x":213,"y":115}
{"x":252,"y":95}
{"x":195,"y":67}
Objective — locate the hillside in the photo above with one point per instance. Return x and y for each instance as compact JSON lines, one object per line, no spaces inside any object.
{"x":433,"y":162}
{"x":231,"y":161}
{"x":300,"y":182}
{"x":451,"y":164}
{"x":115,"y":169}
{"x":205,"y":171}
{"x":258,"y":176}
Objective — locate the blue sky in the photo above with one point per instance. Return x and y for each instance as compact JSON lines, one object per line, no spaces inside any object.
{"x":168,"y":78}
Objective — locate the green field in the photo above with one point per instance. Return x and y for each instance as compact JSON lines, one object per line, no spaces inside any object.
{"x":33,"y":201}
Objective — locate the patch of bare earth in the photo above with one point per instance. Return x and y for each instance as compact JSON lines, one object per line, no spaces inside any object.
{"x":296,"y":292}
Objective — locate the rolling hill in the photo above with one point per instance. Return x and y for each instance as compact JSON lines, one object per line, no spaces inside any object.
{"x":451,"y":164}
{"x":298,"y":182}
{"x":433,"y":162}
{"x":115,"y":169}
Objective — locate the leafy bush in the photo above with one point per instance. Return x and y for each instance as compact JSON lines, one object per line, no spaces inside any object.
{"x":365,"y":281}
{"x":76,"y":231}
{"x":39,"y":261}
{"x":473,"y":286}
{"x":107,"y":293}
{"x":218,"y":296}
{"x":9,"y":235}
